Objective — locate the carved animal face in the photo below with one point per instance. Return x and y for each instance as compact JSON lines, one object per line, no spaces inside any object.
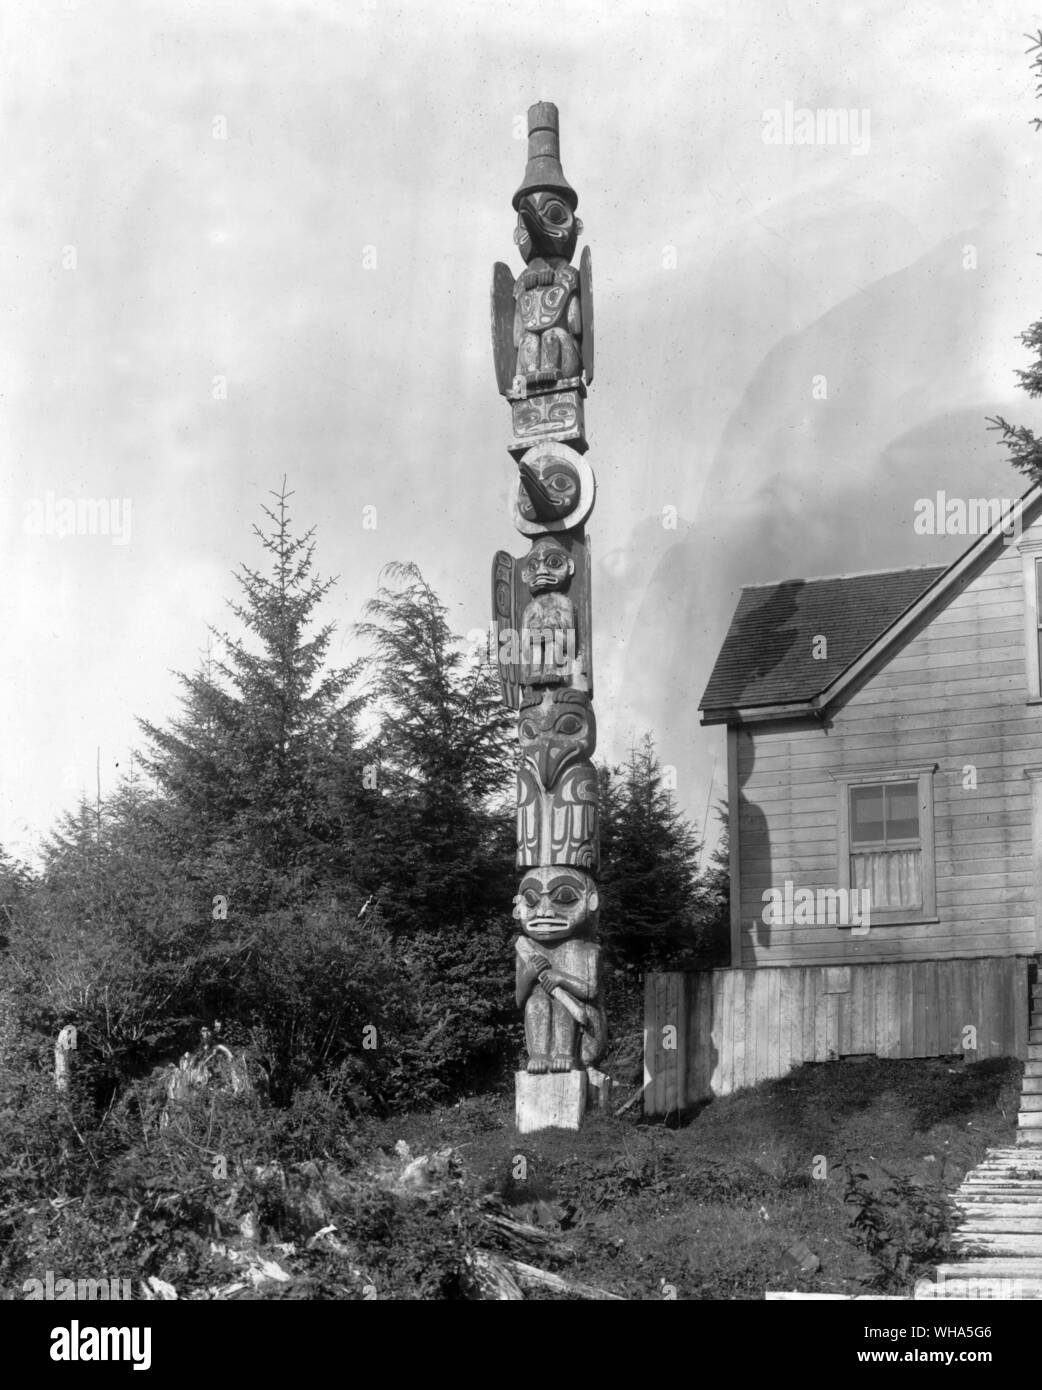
{"x":560,"y":481}
{"x":546,"y":226}
{"x":556,"y":729}
{"x":547,"y":566}
{"x":554,"y":903}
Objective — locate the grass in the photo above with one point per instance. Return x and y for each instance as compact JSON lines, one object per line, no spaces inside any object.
{"x":850,"y":1160}
{"x":833,"y":1179}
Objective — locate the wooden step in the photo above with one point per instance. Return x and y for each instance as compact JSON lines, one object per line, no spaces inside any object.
{"x":991,"y":1191}
{"x":1025,"y":1291}
{"x":1030,"y":1204}
{"x":986,"y":1243}
{"x":1028,"y":1119}
{"x":1030,"y":1100}
{"x":1019,"y":1162}
{"x":999,"y":1287}
{"x":1032,"y":1085}
{"x":1021,"y":1182}
{"x":988,"y":1223}
{"x":976,"y":1195}
{"x":1034,"y":1052}
{"x":1001,"y":1205}
{"x":1027,"y":1267}
{"x":1032,"y":1068}
{"x":1034,"y":1031}
{"x":1013,"y":1159}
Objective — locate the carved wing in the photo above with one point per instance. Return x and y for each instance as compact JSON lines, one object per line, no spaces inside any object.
{"x":529,"y":810}
{"x":586,"y":613}
{"x":586,"y":301}
{"x":504,"y":353}
{"x":507,"y":655}
{"x":573,"y":815}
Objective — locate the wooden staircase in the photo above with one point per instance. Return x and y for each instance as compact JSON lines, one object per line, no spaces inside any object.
{"x":1000,"y":1201}
{"x":1029,"y":1120}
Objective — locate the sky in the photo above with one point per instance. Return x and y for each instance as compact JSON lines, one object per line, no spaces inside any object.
{"x":245,"y":241}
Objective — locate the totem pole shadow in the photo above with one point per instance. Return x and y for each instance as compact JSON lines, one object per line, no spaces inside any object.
{"x":767,"y":633}
{"x":753,"y":832}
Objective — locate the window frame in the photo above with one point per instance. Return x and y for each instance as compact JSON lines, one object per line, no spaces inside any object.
{"x":1030,"y":547}
{"x":923,"y":776}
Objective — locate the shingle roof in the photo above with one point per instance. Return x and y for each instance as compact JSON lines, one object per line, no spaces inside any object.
{"x":768,"y":653}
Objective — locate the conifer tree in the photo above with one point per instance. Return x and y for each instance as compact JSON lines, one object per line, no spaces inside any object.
{"x":445,"y":763}
{"x":649,"y":873}
{"x":261,"y":775}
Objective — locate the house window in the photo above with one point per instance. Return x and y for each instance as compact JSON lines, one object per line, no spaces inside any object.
{"x":886,"y":841}
{"x":886,"y":852}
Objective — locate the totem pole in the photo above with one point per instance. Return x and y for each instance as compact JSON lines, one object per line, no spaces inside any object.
{"x":542,"y":340}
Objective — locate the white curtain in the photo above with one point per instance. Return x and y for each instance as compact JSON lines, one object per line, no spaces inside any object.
{"x":894,"y":877}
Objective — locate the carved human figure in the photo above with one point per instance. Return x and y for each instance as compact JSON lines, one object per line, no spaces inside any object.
{"x":558,"y":969}
{"x":548,"y":318}
{"x":557,"y":782}
{"x":543,"y":312}
{"x":548,"y":631}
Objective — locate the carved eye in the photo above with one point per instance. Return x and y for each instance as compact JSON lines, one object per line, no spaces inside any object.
{"x":528,"y":731}
{"x":556,"y":213}
{"x":566,"y":897}
{"x":570,"y":724}
{"x":555,"y":561}
{"x":531,"y":897}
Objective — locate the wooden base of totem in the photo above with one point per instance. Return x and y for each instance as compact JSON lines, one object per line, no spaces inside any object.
{"x":549,"y":1100}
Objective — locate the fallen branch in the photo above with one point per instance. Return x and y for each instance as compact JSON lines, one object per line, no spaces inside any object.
{"x":487,"y":1277}
{"x":524,"y":1231}
{"x":632,"y":1100}
{"x":531,"y":1277}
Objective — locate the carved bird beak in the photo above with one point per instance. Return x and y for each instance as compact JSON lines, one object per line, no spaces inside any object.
{"x":553,"y":756}
{"x":542,"y":503}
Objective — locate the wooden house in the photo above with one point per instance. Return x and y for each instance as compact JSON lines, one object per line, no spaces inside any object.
{"x":884,"y":737}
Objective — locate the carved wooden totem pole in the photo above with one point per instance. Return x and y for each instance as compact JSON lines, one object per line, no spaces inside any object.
{"x":542,"y":338}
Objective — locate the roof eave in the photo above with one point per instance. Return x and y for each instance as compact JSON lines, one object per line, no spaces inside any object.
{"x":760,"y":714}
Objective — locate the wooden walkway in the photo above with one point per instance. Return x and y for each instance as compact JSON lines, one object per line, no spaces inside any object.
{"x":1000,"y":1201}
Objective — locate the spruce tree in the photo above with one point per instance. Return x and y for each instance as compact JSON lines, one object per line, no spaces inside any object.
{"x":445,"y":764}
{"x":261,"y":776}
{"x":649,"y":871}
{"x":445,"y":839}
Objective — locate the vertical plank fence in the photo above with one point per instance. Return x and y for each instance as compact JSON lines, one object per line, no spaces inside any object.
{"x":711,"y":1032}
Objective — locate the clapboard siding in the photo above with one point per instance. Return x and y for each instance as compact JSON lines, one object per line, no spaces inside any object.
{"x":954,"y":695}
{"x":711,"y":1032}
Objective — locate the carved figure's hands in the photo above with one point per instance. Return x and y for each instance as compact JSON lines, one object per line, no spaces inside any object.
{"x":536,"y":279}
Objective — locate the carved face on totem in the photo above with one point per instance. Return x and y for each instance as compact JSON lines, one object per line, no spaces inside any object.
{"x":555,"y":903}
{"x":547,"y":566}
{"x":546,"y":226}
{"x":557,"y":728}
{"x":560,"y":483}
